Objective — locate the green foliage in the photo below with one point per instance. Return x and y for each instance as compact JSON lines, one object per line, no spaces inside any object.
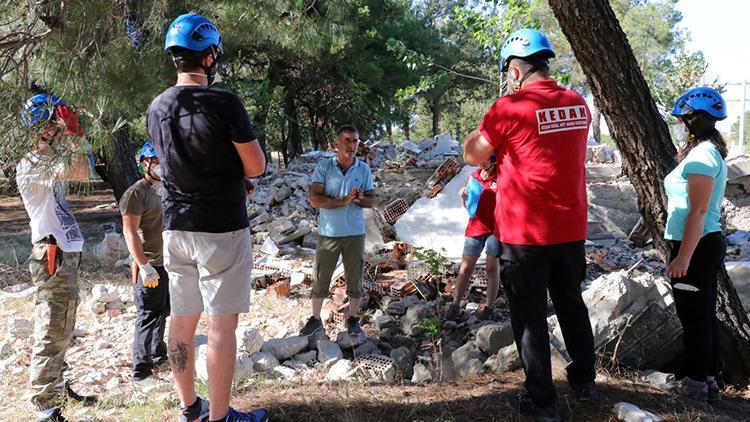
{"x":435,"y":260}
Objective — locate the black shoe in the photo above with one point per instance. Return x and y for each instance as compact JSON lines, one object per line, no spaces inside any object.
{"x":50,"y":415}
{"x":523,"y":404}
{"x":313,"y":326}
{"x":72,"y":395}
{"x":197,"y":412}
{"x":586,"y":391}
{"x":352,"y":326}
{"x":714,"y":394}
{"x":140,"y":376}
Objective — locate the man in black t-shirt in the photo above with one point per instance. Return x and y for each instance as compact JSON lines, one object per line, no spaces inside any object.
{"x":206,"y":149}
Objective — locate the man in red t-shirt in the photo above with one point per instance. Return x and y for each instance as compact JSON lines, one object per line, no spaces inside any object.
{"x":479,"y":236}
{"x":539,"y":134}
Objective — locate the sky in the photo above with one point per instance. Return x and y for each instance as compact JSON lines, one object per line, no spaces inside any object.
{"x":719,"y":28}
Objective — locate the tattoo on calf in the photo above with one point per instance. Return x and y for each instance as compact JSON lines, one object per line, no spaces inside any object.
{"x":178,"y":355}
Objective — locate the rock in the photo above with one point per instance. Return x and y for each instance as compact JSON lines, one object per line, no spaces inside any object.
{"x":631,"y":413}
{"x":243,"y":367}
{"x":415,"y":314}
{"x":396,"y":307}
{"x":493,"y":337}
{"x":307,"y":357}
{"x":112,"y":384}
{"x":421,"y":374}
{"x":103,"y":293}
{"x":284,"y":348}
{"x":658,"y":379}
{"x":282,"y":193}
{"x":340,"y":371}
{"x":384,"y":321}
{"x":249,"y":340}
{"x":115,"y":305}
{"x":367,"y":348}
{"x":505,"y":360}
{"x":410,"y":300}
{"x":386,"y":334}
{"x":284,"y":372}
{"x":403,"y":359}
{"x":5,"y":349}
{"x":264,"y":362}
{"x":468,"y":360}
{"x":739,"y":272}
{"x":201,"y":362}
{"x":113,"y":244}
{"x":269,"y":247}
{"x":279,"y":289}
{"x":20,"y":328}
{"x":347,"y":341}
{"x":328,"y":350}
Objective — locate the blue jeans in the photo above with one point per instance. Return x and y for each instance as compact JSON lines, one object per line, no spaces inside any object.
{"x":473,"y":246}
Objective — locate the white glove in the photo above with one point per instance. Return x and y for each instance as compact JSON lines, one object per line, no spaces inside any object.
{"x":149,"y":276}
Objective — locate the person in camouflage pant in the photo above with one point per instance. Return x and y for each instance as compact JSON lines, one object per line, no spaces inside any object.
{"x":56,"y":255}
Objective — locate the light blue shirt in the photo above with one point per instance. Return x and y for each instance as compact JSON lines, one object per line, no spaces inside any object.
{"x":704,"y":159}
{"x":348,"y":220}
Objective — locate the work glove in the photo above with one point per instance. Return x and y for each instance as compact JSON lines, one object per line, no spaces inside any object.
{"x":149,"y":276}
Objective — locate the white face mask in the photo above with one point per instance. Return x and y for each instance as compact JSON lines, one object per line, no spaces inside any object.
{"x":680,"y":132}
{"x":156,"y":171}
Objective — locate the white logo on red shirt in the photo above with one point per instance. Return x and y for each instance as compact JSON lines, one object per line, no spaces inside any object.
{"x":550,"y":120}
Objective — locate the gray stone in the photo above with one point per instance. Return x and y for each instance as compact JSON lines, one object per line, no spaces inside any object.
{"x":296,"y":365}
{"x":284,"y":372}
{"x":367,"y":348}
{"x":5,"y":349}
{"x":411,"y":300}
{"x":739,"y":273}
{"x":201,"y":362}
{"x":384,"y":321}
{"x":249,"y":340}
{"x":660,"y":380}
{"x":284,"y":348}
{"x":103,"y":293}
{"x":307,"y":357}
{"x":340,"y":371}
{"x":263,"y":362}
{"x":20,"y":328}
{"x":493,"y":337}
{"x":468,"y":360}
{"x":328,"y":350}
{"x":347,"y":341}
{"x":505,"y":360}
{"x":403,"y":359}
{"x":282,"y":193}
{"x":421,"y":374}
{"x":115,"y":305}
{"x":396,"y":307}
{"x":385,"y":334}
{"x":243,"y":367}
{"x":416,"y":313}
{"x":631,"y":413}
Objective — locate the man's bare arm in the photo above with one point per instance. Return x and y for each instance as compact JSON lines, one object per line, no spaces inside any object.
{"x":318,"y":199}
{"x":253,"y":159}
{"x":476,"y":148}
{"x":130,"y":225}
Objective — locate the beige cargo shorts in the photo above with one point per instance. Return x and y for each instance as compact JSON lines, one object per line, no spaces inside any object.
{"x":208,"y":271}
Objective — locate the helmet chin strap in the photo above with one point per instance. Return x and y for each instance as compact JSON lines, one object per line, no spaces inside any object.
{"x":517,"y":84}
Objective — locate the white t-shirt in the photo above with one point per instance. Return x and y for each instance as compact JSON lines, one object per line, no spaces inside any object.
{"x":44,"y":198}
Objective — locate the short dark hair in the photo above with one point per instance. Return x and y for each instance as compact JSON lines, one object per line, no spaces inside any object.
{"x":538,"y":62}
{"x":346,"y":128}
{"x":188,"y":60}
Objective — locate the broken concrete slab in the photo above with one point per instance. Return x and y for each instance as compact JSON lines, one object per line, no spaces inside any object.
{"x":373,"y":235}
{"x":284,"y":348}
{"x":438,"y":223}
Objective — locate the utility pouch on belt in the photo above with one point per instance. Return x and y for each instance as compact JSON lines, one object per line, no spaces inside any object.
{"x":51,"y":258}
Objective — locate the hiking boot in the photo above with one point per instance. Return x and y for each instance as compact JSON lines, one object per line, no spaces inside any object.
{"x":312,"y":326}
{"x":486,"y":313}
{"x":713,"y":394}
{"x":352,"y":326}
{"x":258,"y":415}
{"x":197,"y":412}
{"x":50,"y":415}
{"x":72,"y":395}
{"x":523,"y":404}
{"x":586,"y":391}
{"x":451,"y":313}
{"x":696,"y":390}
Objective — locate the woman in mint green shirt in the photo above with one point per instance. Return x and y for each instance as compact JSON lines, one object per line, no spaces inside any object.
{"x":695,"y":189}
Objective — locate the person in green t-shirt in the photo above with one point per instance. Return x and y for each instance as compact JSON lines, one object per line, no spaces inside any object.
{"x":142,"y":225}
{"x":695,"y":189}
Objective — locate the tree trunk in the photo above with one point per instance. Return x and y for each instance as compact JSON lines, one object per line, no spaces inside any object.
{"x":389,"y":131}
{"x":283,"y":122}
{"x":259,"y":121}
{"x":623,"y":95}
{"x":406,"y":128}
{"x":295,"y":136}
{"x":596,"y":122}
{"x":435,"y":109}
{"x":643,"y":138}
{"x":121,"y":168}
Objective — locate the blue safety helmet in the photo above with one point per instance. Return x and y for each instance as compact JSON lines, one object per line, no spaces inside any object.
{"x":194,"y":32}
{"x":524,"y":43}
{"x":147,"y":151}
{"x":703,"y":98}
{"x":40,"y":108}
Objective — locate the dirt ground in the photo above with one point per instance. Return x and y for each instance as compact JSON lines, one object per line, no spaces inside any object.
{"x":481,"y":398}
